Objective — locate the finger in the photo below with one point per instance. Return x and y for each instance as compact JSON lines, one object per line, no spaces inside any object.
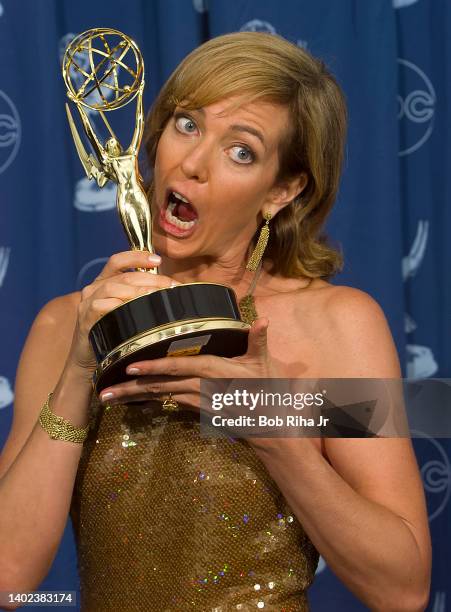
{"x":203,"y":366}
{"x":159,"y":281}
{"x":114,"y":286}
{"x":149,"y":386}
{"x":107,"y":298}
{"x":108,"y":287}
{"x":97,"y":309}
{"x":123,"y":293}
{"x":115,"y":291}
{"x":126,"y":260}
{"x":257,"y":343}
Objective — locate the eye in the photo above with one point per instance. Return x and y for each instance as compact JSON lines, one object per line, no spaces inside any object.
{"x":185,"y":124}
{"x":242,"y":155}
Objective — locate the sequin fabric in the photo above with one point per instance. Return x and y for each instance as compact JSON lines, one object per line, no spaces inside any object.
{"x":168,"y":520}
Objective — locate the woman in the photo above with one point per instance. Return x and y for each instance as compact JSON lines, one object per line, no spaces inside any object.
{"x":247,"y":133}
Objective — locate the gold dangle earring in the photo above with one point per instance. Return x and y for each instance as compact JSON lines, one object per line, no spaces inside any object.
{"x":247,"y":304}
{"x":260,"y":247}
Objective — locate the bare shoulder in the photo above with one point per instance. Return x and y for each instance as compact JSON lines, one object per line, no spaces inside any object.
{"x":51,"y":332}
{"x":50,"y":335}
{"x":347,"y":307}
{"x":341,"y":299}
{"x":63,"y":308}
{"x":60,"y":306}
{"x":47,"y":344}
{"x":356,"y":337}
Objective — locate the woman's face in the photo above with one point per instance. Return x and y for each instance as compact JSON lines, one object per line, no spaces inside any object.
{"x":215,"y":171}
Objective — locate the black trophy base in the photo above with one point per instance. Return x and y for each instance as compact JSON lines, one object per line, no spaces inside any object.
{"x":212,"y":337}
{"x":191,"y":319}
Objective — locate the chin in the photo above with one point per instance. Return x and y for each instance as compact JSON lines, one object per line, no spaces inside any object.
{"x":174,"y":248}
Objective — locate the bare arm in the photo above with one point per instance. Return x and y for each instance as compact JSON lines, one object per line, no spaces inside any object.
{"x":37,"y":473}
{"x":363,"y":507}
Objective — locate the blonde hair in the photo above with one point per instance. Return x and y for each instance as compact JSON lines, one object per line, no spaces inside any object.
{"x":257,"y":66}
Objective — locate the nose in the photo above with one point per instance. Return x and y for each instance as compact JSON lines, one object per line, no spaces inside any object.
{"x":195,"y":162}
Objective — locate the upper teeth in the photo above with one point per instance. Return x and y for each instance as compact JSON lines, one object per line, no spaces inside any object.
{"x":180,"y":197}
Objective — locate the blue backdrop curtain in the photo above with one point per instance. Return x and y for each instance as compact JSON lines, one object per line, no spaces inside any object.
{"x":392,"y":58}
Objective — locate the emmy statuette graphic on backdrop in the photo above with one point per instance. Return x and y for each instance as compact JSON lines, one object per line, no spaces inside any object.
{"x":186,"y":319}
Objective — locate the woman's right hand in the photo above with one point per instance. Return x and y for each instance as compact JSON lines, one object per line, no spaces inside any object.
{"x":114,"y":286}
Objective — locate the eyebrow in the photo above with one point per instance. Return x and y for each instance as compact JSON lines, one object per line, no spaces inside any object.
{"x":240,"y":128}
{"x":249,"y":130}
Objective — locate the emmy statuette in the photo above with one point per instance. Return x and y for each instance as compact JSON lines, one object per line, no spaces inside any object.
{"x":183,"y":320}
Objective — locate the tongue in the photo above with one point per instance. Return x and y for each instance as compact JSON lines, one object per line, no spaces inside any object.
{"x":185,"y":212}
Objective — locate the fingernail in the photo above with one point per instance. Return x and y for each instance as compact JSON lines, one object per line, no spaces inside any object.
{"x":154,"y":258}
{"x":175,"y":283}
{"x":133,"y":370}
{"x":106,"y":396}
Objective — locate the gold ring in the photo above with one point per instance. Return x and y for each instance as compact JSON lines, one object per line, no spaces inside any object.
{"x":170,"y":404}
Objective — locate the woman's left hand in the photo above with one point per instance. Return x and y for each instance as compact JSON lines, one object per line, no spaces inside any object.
{"x":181,"y":376}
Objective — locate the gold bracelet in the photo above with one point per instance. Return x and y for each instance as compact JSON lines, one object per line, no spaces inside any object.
{"x":58,"y":428}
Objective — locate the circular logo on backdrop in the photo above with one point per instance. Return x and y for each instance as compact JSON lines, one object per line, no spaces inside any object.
{"x":200,"y":6}
{"x":321,"y":566}
{"x":416,"y":102}
{"x":6,"y":392}
{"x":10,"y":131}
{"x":89,"y":271}
{"x":88,"y":197}
{"x":397,"y":4}
{"x":4,"y":260}
{"x":257,"y":25}
{"x":435,"y":472}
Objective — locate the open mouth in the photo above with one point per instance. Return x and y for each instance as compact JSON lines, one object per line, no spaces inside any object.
{"x":179,"y":211}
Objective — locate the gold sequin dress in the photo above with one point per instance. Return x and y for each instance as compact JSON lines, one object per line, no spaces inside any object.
{"x":167,"y":519}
